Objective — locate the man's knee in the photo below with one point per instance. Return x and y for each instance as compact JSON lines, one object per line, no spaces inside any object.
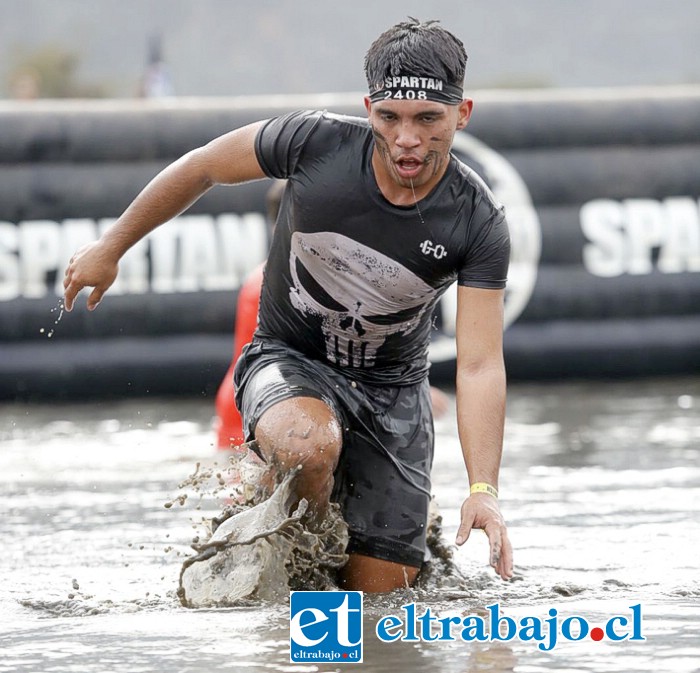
{"x":300,"y":431}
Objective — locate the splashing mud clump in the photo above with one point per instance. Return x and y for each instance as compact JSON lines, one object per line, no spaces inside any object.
{"x":259,"y":550}
{"x":261,"y":547}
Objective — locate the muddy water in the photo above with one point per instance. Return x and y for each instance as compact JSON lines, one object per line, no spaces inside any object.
{"x":600,"y":485}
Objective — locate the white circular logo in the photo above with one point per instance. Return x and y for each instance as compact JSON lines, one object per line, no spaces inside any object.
{"x":525,"y":234}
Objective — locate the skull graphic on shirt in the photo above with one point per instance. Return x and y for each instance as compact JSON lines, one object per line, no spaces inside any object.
{"x":361,"y":295}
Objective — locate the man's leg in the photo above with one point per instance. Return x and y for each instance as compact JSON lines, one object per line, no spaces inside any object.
{"x":303,"y":432}
{"x":383,"y":484}
{"x":364,"y":573}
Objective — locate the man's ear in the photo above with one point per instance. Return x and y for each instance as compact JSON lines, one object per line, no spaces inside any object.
{"x":465,"y":112}
{"x":368,"y":104}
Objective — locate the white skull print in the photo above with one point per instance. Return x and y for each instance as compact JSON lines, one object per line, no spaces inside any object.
{"x":373,"y":296}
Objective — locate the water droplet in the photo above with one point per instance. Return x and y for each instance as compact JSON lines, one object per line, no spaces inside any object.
{"x":58,"y":308}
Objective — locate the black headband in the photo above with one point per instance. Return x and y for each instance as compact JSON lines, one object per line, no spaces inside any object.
{"x":415,"y":87}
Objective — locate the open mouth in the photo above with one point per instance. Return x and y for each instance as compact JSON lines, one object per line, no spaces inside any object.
{"x":408,"y":167}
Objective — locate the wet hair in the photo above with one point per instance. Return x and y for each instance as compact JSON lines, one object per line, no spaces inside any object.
{"x":413,"y":47}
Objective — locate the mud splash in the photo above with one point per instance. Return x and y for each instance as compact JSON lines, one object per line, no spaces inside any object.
{"x":260,"y":548}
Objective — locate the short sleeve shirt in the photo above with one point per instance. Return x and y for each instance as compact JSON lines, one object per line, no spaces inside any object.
{"x":351,"y":279}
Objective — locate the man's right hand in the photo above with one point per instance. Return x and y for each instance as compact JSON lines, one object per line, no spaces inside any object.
{"x":95,"y":266}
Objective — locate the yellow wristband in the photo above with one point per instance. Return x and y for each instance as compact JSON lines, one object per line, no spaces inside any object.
{"x":482,"y":487}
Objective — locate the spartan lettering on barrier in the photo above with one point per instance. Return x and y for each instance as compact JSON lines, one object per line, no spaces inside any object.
{"x":637,"y":236}
{"x":194,"y":253}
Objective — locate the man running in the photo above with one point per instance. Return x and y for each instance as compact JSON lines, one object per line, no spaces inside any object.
{"x":377,"y":220}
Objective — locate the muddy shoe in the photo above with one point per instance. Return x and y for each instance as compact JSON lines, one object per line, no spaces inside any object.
{"x":318,"y":553}
{"x":245,"y":557}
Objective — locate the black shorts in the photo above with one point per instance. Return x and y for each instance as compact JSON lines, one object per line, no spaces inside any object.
{"x":382,"y":481}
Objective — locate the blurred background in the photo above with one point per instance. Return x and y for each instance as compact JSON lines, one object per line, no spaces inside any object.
{"x":586,"y":126}
{"x":111,"y":48}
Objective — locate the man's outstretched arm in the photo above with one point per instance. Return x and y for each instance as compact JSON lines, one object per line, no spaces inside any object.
{"x":229,"y":159}
{"x":481,"y":399}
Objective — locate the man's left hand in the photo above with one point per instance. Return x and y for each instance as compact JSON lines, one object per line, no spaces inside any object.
{"x":481,"y":510}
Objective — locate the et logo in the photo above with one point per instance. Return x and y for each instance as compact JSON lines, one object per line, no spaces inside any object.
{"x":325,"y":626}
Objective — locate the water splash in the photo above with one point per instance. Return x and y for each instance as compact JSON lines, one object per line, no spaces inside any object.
{"x":60,"y":308}
{"x":260,"y":548}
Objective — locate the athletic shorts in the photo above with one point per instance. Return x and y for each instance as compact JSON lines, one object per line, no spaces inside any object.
{"x":382,"y":481}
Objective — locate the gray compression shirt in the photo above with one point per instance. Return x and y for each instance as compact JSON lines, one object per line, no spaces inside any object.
{"x":351,"y":279}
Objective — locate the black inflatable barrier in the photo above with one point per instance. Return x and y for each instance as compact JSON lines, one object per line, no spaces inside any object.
{"x":636,"y":116}
{"x":602,"y":188}
{"x":604,"y":348}
{"x":567,"y":293}
{"x":147,"y":315}
{"x":97,"y":131}
{"x":571,"y":293}
{"x":576,"y":175}
{"x":58,"y":191}
{"x":121,"y":130}
{"x":192,"y":364}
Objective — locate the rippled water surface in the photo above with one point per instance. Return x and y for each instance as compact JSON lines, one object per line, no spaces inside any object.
{"x":600,"y":486}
